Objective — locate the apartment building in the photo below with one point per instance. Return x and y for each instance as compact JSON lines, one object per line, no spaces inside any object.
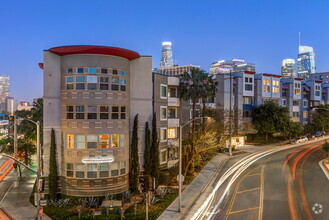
{"x":91,"y":96}
{"x":267,"y":88}
{"x":291,"y":94}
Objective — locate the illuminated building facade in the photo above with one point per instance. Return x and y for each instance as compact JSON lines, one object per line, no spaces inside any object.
{"x":177,"y":70}
{"x":288,"y":68}
{"x":306,"y":62}
{"x":4,"y":91}
{"x":235,"y":65}
{"x":166,"y":58}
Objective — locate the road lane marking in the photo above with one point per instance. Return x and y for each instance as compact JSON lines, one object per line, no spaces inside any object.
{"x":261,"y":195}
{"x":243,"y":210}
{"x":291,"y":199}
{"x":248,"y":190}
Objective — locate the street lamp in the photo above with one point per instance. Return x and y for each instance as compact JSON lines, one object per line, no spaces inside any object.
{"x":39,"y":160}
{"x":180,"y":162}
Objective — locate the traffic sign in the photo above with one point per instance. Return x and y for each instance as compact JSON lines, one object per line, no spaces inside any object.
{"x":182,"y":178}
{"x":43,"y":202}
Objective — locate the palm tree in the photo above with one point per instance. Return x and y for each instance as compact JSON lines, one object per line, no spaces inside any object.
{"x":209,"y":91}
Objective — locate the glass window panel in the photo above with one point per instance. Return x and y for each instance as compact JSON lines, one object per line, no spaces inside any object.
{"x":122,"y":88}
{"x":80,"y":174}
{"x":104,"y":141}
{"x":70,"y":86}
{"x":104,"y":79}
{"x":123,"y":73}
{"x":122,"y":164}
{"x":122,"y":140}
{"x":69,"y":166}
{"x":172,"y":133}
{"x":123,"y":81}
{"x":104,"y":87}
{"x":104,"y":167}
{"x":163,"y":134}
{"x":115,"y":109}
{"x":123,"y":109}
{"x":114,"y":140}
{"x":92,"y":70}
{"x":79,"y":141}
{"x":115,"y":72}
{"x":115,"y":80}
{"x":70,"y":141}
{"x":69,"y":173}
{"x":114,"y":172}
{"x":163,"y":91}
{"x":69,"y":79}
{"x":80,"y":86}
{"x":69,"y":108}
{"x":104,"y":71}
{"x":122,"y":171}
{"x":114,"y":166}
{"x":69,"y":70}
{"x":92,"y":167}
{"x":92,"y":108}
{"x":104,"y":109}
{"x":115,"y":87}
{"x":92,"y":79}
{"x":163,"y":113}
{"x":80,"y":70}
{"x":80,"y":79}
{"x":80,"y":167}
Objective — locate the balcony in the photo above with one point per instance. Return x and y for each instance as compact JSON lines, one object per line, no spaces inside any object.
{"x":173,"y":101}
{"x":173,"y":122}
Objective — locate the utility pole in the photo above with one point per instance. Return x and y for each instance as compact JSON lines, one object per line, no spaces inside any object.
{"x":230,"y":116}
{"x":16,"y":182}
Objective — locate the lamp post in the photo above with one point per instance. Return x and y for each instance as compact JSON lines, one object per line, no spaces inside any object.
{"x":180,"y":175}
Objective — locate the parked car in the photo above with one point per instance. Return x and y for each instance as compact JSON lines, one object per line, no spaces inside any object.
{"x":318,"y":133}
{"x":300,"y":140}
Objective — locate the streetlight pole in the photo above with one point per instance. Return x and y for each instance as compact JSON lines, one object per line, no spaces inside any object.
{"x":180,"y":175}
{"x":230,"y":129}
{"x":16,"y":182}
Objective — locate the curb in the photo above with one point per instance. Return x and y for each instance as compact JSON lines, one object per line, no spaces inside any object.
{"x":324,"y":167}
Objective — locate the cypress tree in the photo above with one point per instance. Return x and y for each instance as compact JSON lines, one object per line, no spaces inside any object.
{"x":155,"y":163}
{"x":134,"y":173}
{"x":147,"y":149}
{"x":53,"y":175}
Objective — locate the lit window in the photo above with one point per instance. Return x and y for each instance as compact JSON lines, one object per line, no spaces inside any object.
{"x":92,"y":70}
{"x":91,"y":141}
{"x":163,"y":134}
{"x":266,"y":89}
{"x":266,"y":82}
{"x":92,"y":82}
{"x":80,"y":171}
{"x":305,"y":114}
{"x":80,"y":141}
{"x":104,"y":112}
{"x":275,"y":89}
{"x":92,"y":112}
{"x":92,"y":170}
{"x":103,"y":170}
{"x":275,"y":83}
{"x":172,"y":133}
{"x":104,"y":141}
{"x":247,"y":100}
{"x":297,"y":91}
{"x":317,"y":93}
{"x":69,"y":83}
{"x":80,"y":82}
{"x":163,"y":113}
{"x":79,"y":112}
{"x":69,"y":170}
{"x":163,"y":91}
{"x":114,"y":140}
{"x":70,"y":141}
{"x":69,"y":112}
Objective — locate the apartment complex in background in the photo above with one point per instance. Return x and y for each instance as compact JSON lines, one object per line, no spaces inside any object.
{"x":306,"y":62}
{"x":91,"y":96}
{"x":235,"y":65}
{"x":288,"y":68}
{"x":166,"y":56}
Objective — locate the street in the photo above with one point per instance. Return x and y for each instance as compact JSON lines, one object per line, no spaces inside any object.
{"x":286,"y":184}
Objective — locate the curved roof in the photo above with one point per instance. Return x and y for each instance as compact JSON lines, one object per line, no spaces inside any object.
{"x":89,"y":49}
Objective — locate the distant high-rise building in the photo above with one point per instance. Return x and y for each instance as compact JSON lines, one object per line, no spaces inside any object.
{"x":306,"y":61}
{"x":4,"y":88}
{"x":235,"y":65}
{"x":166,"y":58}
{"x":177,"y":70}
{"x":288,"y":68}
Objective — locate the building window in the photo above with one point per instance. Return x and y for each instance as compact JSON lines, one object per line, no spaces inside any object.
{"x":172,"y":92}
{"x":297,"y":91}
{"x":163,"y":134}
{"x":114,"y":140}
{"x":247,"y":100}
{"x":172,"y":133}
{"x":92,"y":141}
{"x":317,"y":93}
{"x":122,"y":167}
{"x":297,"y":85}
{"x":171,"y":113}
{"x":266,"y":82}
{"x":295,"y":114}
{"x":248,"y":87}
{"x":69,"y":170}
{"x":92,"y":82}
{"x":104,"y":71}
{"x":115,"y":72}
{"x":305,"y":103}
{"x":123,"y":112}
{"x":103,"y":170}
{"x":70,"y":141}
{"x":80,"y":171}
{"x":104,"y":141}
{"x":92,"y":70}
{"x":91,"y":170}
{"x":275,"y":89}
{"x":69,"y":112}
{"x":266,"y":89}
{"x":92,"y":112}
{"x":115,"y":83}
{"x":163,"y":91}
{"x":122,"y":138}
{"x":275,"y":83}
{"x":69,"y":70}
{"x":284,"y":102}
{"x":104,"y":112}
{"x":305,"y":114}
{"x":197,"y":113}
{"x":69,"y":82}
{"x":80,"y":82}
{"x":123,"y":73}
{"x":163,"y":113}
{"x":295,"y":103}
{"x":80,"y":141}
{"x":115,"y":112}
{"x":246,"y":114}
{"x":114,"y":169}
{"x":80,"y":70}
{"x":123,"y":81}
{"x":104,"y":83}
{"x":163,"y":156}
{"x":79,"y":112}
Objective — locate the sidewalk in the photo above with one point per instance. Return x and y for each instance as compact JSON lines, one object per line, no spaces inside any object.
{"x":196,"y":189}
{"x":324,"y":164}
{"x":16,"y":203}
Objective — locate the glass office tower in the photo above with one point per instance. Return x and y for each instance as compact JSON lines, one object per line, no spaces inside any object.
{"x":166,"y":58}
{"x":306,"y":61}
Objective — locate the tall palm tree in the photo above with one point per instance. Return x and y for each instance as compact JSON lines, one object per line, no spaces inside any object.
{"x":209,"y":91}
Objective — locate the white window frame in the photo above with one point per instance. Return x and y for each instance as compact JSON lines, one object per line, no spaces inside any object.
{"x":163,"y":162}
{"x":163,"y":107}
{"x":163,"y":97}
{"x":166,"y":134}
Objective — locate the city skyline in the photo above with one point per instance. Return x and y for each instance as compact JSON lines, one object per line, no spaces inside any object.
{"x":33,"y":27}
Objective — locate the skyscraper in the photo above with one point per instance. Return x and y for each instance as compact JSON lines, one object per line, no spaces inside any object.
{"x":306,"y":61}
{"x":4,"y":88}
{"x":235,"y":65}
{"x":166,"y":58}
{"x":288,"y":68}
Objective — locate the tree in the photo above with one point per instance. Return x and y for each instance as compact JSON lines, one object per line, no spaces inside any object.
{"x":293,"y":128}
{"x":134,"y":159}
{"x":269,"y":118}
{"x":154,"y":152}
{"x":321,"y":117}
{"x":147,"y":150}
{"x":209,"y":90}
{"x":53,"y":174}
{"x":325,"y":147}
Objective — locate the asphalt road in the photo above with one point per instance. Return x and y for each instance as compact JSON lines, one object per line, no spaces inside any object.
{"x":283,"y":185}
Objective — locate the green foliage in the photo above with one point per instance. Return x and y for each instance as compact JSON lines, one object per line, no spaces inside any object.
{"x":134,"y":173}
{"x":269,"y":118}
{"x":147,"y":150}
{"x":154,"y":152}
{"x":320,"y":117}
{"x":53,"y":174}
{"x":294,"y":128}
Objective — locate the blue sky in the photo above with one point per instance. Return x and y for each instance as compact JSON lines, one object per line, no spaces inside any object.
{"x":202,"y":32}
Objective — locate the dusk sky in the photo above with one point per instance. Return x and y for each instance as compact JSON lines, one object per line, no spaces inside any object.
{"x":202,"y":32}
